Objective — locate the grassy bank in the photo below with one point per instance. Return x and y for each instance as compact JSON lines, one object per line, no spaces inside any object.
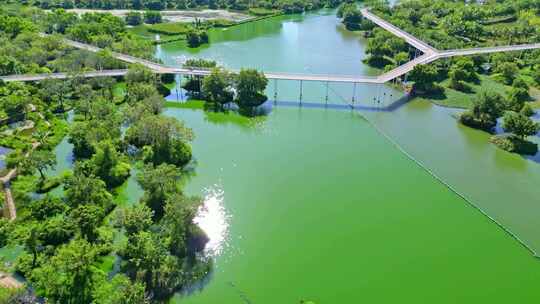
{"x":457,"y":99}
{"x":175,"y":31}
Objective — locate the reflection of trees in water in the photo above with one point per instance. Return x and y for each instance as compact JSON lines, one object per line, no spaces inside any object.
{"x":198,"y":285}
{"x":250,"y":30}
{"x":232,"y":114}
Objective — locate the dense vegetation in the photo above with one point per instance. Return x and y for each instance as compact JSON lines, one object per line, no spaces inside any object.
{"x":288,"y":6}
{"x":73,"y":232}
{"x":103,"y":30}
{"x":221,"y":87}
{"x":460,"y":81}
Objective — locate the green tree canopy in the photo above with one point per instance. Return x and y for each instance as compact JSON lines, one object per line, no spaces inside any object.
{"x":217,"y":86}
{"x":520,"y":125}
{"x":250,"y":86}
{"x":70,"y":275}
{"x":424,"y":76}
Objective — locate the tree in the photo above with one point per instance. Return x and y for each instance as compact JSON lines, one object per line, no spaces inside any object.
{"x":143,"y":255}
{"x":485,"y":110}
{"x":152,"y":17}
{"x":87,"y":218}
{"x":139,"y":74}
{"x":508,"y":71}
{"x":458,"y":79}
{"x":47,"y":207}
{"x":85,"y":96}
{"x":56,"y":92}
{"x":518,"y":95}
{"x":527,"y":111}
{"x":520,"y":125}
{"x":70,"y":275}
{"x":401,"y":57}
{"x":39,"y":160}
{"x":133,"y":18}
{"x":158,"y":183}
{"x":467,"y":67}
{"x":120,"y":290}
{"x":216,"y":86}
{"x":139,"y":91}
{"x":178,"y":225}
{"x":164,"y":139}
{"x":424,"y":76}
{"x":6,"y":229}
{"x":196,"y":37}
{"x":135,"y":218}
{"x":350,"y":15}
{"x":14,"y":98}
{"x":55,"y":230}
{"x":31,"y":244}
{"x":80,"y":139}
{"x":81,"y":189}
{"x":250,"y":86}
{"x":108,"y":166}
{"x":516,"y":99}
{"x":193,"y":85}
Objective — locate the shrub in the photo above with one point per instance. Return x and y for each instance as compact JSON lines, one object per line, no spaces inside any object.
{"x":486,"y":108}
{"x":514,"y":144}
{"x":196,"y":37}
{"x":119,"y":173}
{"x":49,"y":184}
{"x":133,"y":18}
{"x":152,"y":17}
{"x":520,"y":125}
{"x":176,"y":28}
{"x":468,"y":119}
{"x":259,"y":11}
{"x":527,"y":111}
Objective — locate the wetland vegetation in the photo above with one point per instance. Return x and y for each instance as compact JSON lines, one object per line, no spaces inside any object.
{"x":121,"y":224}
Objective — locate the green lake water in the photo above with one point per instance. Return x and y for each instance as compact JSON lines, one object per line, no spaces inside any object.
{"x":313,"y":203}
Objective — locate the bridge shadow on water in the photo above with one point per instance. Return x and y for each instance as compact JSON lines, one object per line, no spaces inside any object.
{"x":340,"y":106}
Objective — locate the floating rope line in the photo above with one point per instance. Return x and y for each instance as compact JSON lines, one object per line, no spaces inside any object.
{"x":447,"y":185}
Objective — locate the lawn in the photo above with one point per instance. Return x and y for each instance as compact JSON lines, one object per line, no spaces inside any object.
{"x":259,"y":11}
{"x":173,"y":28}
{"x":458,"y":99}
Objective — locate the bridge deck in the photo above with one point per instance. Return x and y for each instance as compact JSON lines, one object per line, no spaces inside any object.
{"x":430,"y":54}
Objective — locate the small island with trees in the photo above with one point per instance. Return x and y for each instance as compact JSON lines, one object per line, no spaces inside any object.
{"x":75,"y":236}
{"x":488,"y":86}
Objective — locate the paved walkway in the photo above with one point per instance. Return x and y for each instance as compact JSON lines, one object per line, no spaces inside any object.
{"x":430,"y":54}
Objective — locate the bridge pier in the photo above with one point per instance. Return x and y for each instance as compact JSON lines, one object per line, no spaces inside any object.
{"x":275,"y":91}
{"x":301,"y":87}
{"x":181,"y":92}
{"x":326,"y":98}
{"x":353,"y":93}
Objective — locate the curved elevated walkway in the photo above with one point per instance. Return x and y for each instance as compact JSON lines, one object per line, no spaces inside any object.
{"x":430,"y":54}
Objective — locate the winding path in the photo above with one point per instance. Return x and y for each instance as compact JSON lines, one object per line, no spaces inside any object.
{"x":430,"y":54}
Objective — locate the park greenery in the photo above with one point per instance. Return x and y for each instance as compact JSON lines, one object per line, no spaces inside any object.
{"x":26,"y":53}
{"x":260,"y":6}
{"x":221,"y":87}
{"x":454,"y":25}
{"x":72,"y":225}
{"x":490,"y":86}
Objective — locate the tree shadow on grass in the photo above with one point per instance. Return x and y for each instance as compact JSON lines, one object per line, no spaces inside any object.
{"x":435,"y":95}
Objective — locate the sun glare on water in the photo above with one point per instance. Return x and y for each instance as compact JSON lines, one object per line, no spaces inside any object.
{"x":213,"y":219}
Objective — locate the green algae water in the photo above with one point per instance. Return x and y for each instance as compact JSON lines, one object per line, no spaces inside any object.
{"x":315,"y":204}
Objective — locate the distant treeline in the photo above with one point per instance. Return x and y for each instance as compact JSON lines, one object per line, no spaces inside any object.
{"x":288,"y":6}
